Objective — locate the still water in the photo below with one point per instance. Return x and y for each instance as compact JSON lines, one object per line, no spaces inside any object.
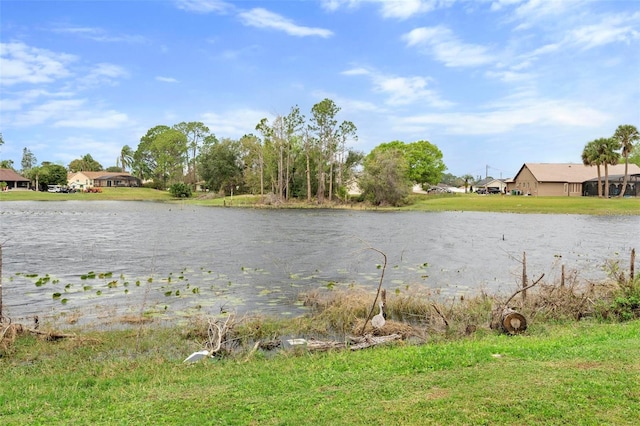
{"x":97,"y":260}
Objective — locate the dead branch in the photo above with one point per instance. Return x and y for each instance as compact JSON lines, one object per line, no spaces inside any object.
{"x":250,"y":354}
{"x":523,"y":289}
{"x":51,"y":335}
{"x":446,"y":323}
{"x":373,"y":306}
{"x":216,"y":334}
{"x":506,"y":318}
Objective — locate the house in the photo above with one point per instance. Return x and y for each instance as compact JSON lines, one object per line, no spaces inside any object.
{"x":491,"y":185}
{"x":563,"y":179}
{"x":84,"y":180}
{"x":14,"y":180}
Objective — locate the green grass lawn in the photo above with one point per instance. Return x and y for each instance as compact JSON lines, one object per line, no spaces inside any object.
{"x":584,"y":373}
{"x":523,"y":204}
{"x":448,"y":202}
{"x":131,"y":194}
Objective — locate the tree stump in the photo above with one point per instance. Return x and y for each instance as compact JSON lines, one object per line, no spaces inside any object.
{"x":512,"y":322}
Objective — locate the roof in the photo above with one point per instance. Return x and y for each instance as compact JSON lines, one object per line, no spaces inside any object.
{"x":102,"y":175}
{"x":487,"y":181}
{"x":8,"y":175}
{"x":572,"y":172}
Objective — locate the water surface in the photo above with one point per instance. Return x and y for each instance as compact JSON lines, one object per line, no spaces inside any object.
{"x":176,"y":260}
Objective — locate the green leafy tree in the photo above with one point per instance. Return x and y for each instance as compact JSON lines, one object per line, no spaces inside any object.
{"x":634,"y":157}
{"x":195,"y":132}
{"x":451,"y":180}
{"x":221,"y":166}
{"x":51,"y":174}
{"x":85,"y":164}
{"x":6,"y":164}
{"x":327,"y":136}
{"x":424,"y":160}
{"x":385,"y":177}
{"x":28,"y":160}
{"x":161,"y":156}
{"x":253,"y":163}
{"x":626,"y":136}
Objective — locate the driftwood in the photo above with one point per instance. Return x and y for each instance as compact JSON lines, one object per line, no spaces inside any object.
{"x":51,"y":335}
{"x":368,"y":340}
{"x":354,"y":343}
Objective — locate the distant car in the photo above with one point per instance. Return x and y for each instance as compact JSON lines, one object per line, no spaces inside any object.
{"x":494,"y":191}
{"x":54,"y":188}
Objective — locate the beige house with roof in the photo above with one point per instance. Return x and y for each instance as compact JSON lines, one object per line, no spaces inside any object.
{"x":84,"y":180}
{"x":565,"y":179}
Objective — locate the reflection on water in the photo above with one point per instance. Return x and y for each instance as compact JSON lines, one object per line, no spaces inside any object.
{"x":108,"y":257}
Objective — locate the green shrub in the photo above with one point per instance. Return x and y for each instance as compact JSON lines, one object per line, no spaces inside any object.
{"x":180,"y":190}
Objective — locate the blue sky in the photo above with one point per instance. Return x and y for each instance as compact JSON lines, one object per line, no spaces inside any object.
{"x":492,"y":83}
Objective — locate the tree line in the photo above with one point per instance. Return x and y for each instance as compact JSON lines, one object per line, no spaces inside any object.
{"x":295,"y":157}
{"x":290,"y":157}
{"x":610,"y":151}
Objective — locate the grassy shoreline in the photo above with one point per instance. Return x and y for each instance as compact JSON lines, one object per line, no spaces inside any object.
{"x":418,"y":202}
{"x":580,"y":373}
{"x":560,"y":371}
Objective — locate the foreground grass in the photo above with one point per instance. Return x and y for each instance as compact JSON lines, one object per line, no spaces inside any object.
{"x":581,"y":373}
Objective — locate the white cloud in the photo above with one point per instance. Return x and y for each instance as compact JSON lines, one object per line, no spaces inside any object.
{"x":396,"y":9}
{"x":102,"y":75}
{"x":507,"y":118}
{"x":100,"y":35}
{"x":94,"y":120}
{"x":22,"y":98}
{"x":233,"y":123}
{"x":166,"y":79}
{"x":20,"y":63}
{"x":70,"y":113}
{"x":444,"y":46}
{"x":262,"y":18}
{"x":401,"y":90}
{"x":204,"y":6}
{"x":47,"y":111}
{"x":533,"y":10}
{"x":611,"y":29}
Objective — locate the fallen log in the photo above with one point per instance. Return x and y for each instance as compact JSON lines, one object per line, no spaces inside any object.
{"x":368,"y":340}
{"x":512,"y":322}
{"x":507,"y":319}
{"x":354,"y":343}
{"x":51,"y":335}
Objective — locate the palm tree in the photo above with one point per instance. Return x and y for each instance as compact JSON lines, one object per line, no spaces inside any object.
{"x":466,"y":178}
{"x":607,"y":149}
{"x":590,"y":158}
{"x":626,"y":135}
{"x":126,"y":157}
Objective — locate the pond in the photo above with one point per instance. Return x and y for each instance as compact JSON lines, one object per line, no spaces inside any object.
{"x":93,"y":261}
